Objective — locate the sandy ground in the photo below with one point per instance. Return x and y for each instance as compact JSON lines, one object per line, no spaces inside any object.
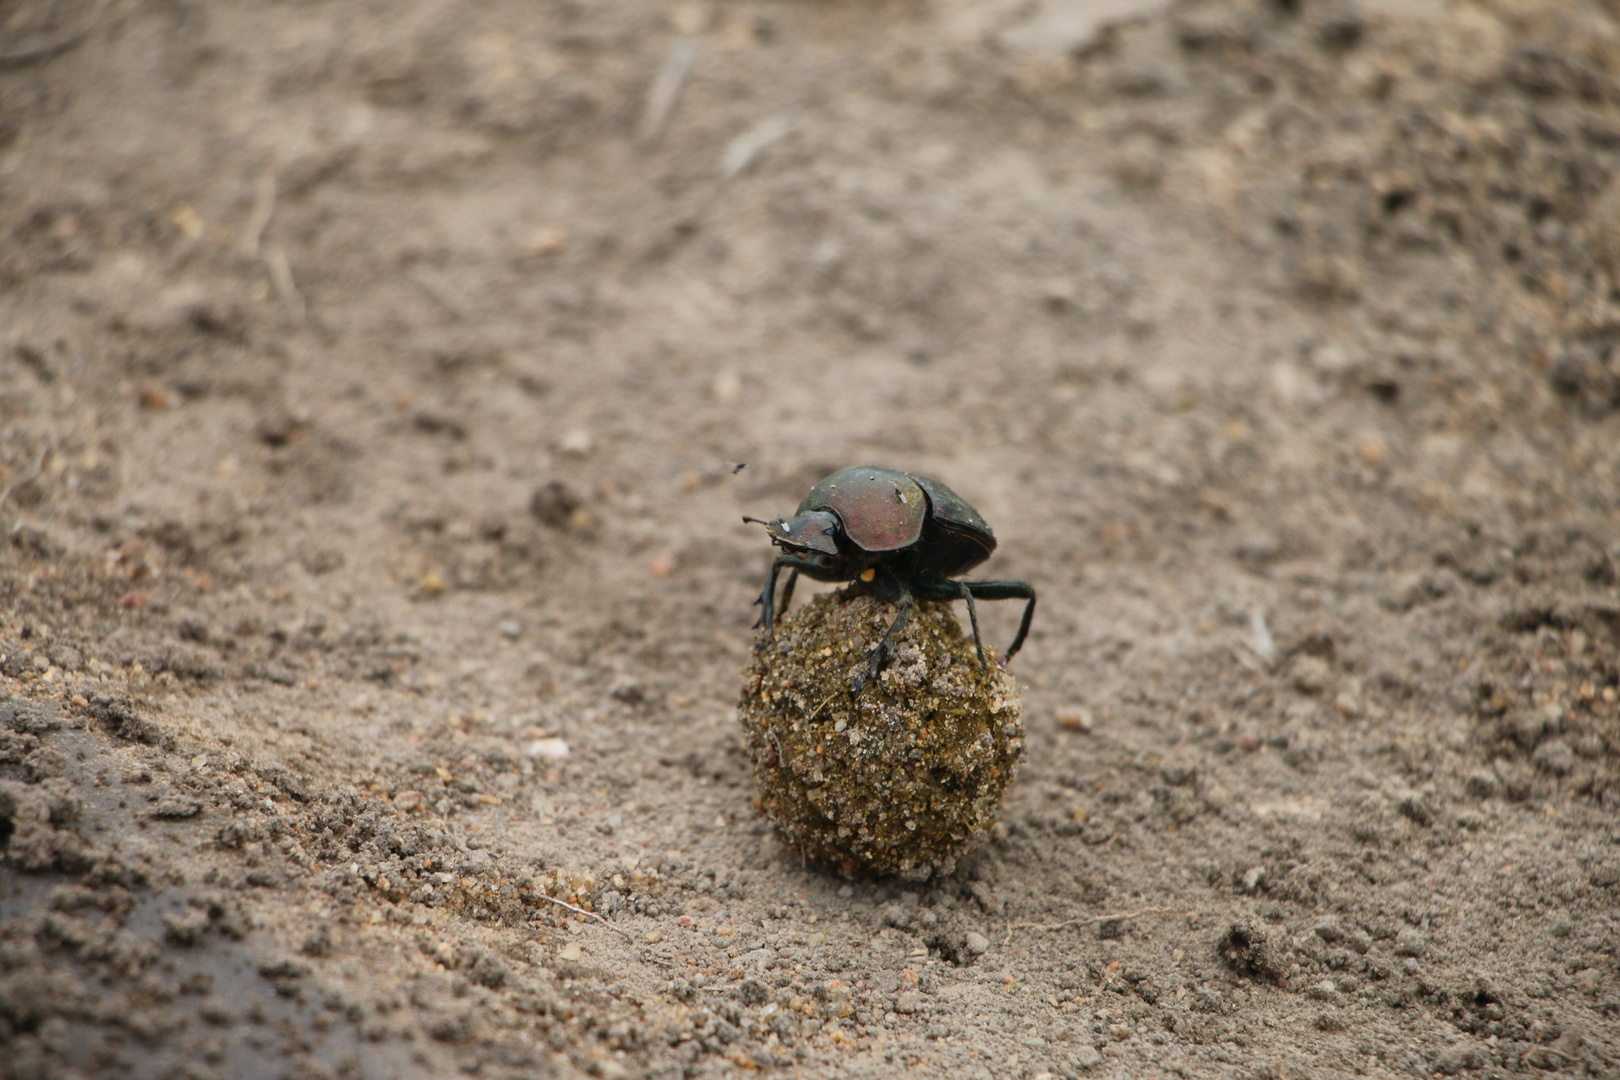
{"x":373,"y":584}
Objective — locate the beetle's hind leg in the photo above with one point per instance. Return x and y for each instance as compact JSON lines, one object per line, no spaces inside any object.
{"x":1005,"y":590}
{"x":946,"y":589}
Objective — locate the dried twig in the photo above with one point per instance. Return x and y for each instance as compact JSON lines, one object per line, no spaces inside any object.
{"x":588,"y":914}
{"x":744,"y":150}
{"x":1081,"y":922}
{"x":666,"y":89}
{"x":439,"y":294}
{"x":264,"y":208}
{"x":817,"y":710}
{"x":1261,"y":641}
{"x":24,"y":57}
{"x":27,"y":478}
{"x":273,"y":255}
{"x":281,"y":276}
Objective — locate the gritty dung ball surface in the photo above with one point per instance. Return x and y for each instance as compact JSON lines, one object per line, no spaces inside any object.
{"x":896,"y":779}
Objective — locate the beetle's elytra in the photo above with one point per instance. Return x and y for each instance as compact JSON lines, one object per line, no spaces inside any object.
{"x":905,"y":537}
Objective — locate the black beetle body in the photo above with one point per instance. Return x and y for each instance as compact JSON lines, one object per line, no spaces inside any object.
{"x":906,"y":537}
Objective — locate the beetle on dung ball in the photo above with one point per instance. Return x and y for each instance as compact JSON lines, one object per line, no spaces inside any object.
{"x":905,"y":537}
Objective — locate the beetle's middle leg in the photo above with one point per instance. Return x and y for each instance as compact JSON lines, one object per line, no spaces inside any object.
{"x":879,"y":654}
{"x":888,"y":589}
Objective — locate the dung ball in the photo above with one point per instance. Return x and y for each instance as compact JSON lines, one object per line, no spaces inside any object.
{"x":898,"y":777}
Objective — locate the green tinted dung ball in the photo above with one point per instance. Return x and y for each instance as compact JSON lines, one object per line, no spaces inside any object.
{"x":898,"y":778}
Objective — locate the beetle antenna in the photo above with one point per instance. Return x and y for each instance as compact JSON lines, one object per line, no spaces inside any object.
{"x":755,"y":520}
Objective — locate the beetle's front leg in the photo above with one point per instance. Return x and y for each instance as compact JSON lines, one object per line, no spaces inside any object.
{"x":767,"y":599}
{"x":787,"y":589}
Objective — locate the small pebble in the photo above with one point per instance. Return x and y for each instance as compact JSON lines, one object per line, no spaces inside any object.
{"x":216,"y":1010}
{"x":577,"y":442}
{"x":727,"y":388}
{"x":1087,"y":1057}
{"x":1410,"y":942}
{"x":1077,"y":719}
{"x":907,"y":1002}
{"x":408,"y":801}
{"x":1177,"y":774}
{"x":1311,"y":675}
{"x":546,"y":240}
{"x":1459,"y":1059}
{"x":1554,"y":756}
{"x":975,"y":943}
{"x":550,"y":749}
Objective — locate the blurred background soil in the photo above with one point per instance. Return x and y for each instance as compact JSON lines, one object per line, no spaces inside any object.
{"x":374,"y":600}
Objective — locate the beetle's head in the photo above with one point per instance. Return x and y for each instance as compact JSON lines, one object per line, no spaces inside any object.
{"x":813,"y":535}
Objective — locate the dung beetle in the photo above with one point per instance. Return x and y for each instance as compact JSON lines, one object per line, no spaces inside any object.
{"x":904,"y":537}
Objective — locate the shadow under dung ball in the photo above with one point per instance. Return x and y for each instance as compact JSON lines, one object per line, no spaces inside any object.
{"x":898,"y":778}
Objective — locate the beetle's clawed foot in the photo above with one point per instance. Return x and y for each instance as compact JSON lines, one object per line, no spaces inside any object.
{"x":869,"y":669}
